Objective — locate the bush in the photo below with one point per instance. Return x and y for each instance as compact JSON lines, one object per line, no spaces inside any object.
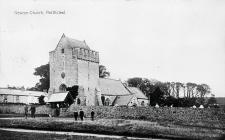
{"x":143,"y":118}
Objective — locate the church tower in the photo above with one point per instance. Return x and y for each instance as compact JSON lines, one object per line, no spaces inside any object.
{"x":74,"y":63}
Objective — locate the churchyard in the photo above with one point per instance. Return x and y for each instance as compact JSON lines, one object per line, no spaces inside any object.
{"x":162,"y":122}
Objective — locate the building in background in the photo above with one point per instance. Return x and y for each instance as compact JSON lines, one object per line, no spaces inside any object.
{"x":20,"y":96}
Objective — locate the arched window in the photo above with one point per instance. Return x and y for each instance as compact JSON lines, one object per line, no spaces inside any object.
{"x":62,"y":88}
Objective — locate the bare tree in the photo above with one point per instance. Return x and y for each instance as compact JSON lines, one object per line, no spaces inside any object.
{"x":203,"y":89}
{"x":190,"y":89}
{"x":178,"y":85}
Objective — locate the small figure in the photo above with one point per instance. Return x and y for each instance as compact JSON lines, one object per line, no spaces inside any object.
{"x":32,"y":109}
{"x":81,"y":114}
{"x":92,"y":115}
{"x":157,"y":106}
{"x":26,"y":111}
{"x":57,"y":110}
{"x":75,"y":114}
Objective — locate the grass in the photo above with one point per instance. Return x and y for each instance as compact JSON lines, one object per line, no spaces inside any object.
{"x":116,"y":127}
{"x":11,"y":135}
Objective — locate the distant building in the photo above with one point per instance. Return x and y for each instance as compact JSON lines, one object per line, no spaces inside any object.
{"x":220,"y":101}
{"x":142,"y":100}
{"x":73,"y":63}
{"x":19,"y":96}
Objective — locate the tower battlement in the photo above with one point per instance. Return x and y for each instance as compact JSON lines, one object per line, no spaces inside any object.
{"x":85,"y":54}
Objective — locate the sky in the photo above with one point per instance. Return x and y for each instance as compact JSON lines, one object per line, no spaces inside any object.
{"x":167,"y":40}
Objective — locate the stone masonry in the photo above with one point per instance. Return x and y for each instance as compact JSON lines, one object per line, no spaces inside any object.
{"x":74,"y":63}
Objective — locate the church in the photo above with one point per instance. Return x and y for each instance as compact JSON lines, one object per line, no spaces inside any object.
{"x":74,"y":64}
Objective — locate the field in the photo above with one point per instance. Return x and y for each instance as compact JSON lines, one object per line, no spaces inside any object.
{"x":11,"y":135}
{"x":136,"y":128}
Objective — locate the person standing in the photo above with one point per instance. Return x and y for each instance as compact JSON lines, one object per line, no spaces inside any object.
{"x":75,"y":114}
{"x":81,"y":114}
{"x":32,"y":109}
{"x":92,"y":115}
{"x":26,"y":111}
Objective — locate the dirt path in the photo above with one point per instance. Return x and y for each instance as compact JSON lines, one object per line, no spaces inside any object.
{"x":76,"y":134}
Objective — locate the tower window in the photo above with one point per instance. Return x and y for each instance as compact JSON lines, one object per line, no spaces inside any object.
{"x":62,"y":50}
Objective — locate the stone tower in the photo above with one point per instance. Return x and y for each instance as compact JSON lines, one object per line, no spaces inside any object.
{"x":74,"y":63}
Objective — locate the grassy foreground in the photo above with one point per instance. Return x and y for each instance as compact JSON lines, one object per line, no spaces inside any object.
{"x":115,"y":126}
{"x":12,"y":135}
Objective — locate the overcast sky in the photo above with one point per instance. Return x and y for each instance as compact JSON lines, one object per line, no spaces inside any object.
{"x":167,"y":40}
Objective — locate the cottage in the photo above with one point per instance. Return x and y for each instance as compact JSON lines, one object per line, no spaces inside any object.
{"x":19,"y":96}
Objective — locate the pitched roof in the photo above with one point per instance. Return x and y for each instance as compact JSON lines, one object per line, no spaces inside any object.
{"x":57,"y":97}
{"x":70,"y":42}
{"x":138,"y":93}
{"x":112,"y":87}
{"x":123,"y":100}
{"x":17,"y":92}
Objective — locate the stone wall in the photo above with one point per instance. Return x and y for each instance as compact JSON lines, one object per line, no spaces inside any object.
{"x":19,"y":109}
{"x":151,"y":113}
{"x":188,"y":115}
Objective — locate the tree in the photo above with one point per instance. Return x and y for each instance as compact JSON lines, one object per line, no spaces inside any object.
{"x":135,"y":82}
{"x":143,"y":84}
{"x":157,"y":97}
{"x":173,"y":91}
{"x":73,"y":91}
{"x":102,"y":72}
{"x":190,"y":89}
{"x":44,"y":81}
{"x":178,"y":86}
{"x":41,"y":100}
{"x":155,"y":90}
{"x":163,"y":87}
{"x":211,"y":100}
{"x":184,"y":87}
{"x":203,"y":89}
{"x":168,"y":86}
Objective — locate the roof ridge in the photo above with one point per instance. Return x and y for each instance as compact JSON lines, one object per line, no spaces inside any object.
{"x":79,"y":43}
{"x":74,"y":39}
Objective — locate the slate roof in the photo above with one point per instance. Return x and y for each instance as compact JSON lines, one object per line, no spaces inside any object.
{"x":16,"y":92}
{"x":57,"y":97}
{"x":123,"y":100}
{"x":70,"y":42}
{"x":112,"y":87}
{"x":137,"y":92}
